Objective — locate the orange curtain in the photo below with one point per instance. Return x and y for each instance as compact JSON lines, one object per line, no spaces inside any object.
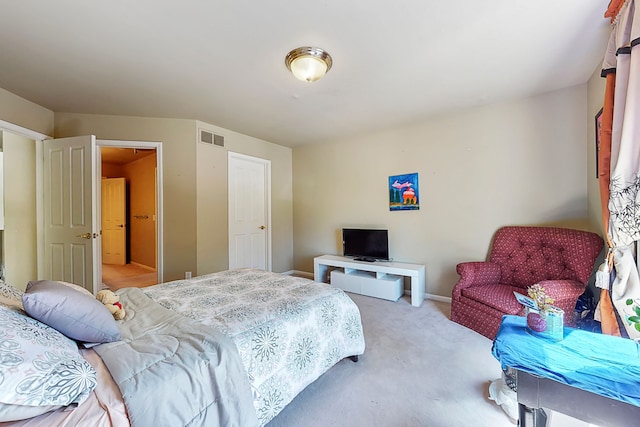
{"x":607,"y":315}
{"x":613,"y":9}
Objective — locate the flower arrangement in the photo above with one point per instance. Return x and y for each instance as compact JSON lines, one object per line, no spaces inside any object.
{"x":536,"y":320}
{"x":537,"y":293}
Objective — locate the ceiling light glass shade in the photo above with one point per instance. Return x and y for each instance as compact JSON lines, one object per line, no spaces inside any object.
{"x":308,"y":63}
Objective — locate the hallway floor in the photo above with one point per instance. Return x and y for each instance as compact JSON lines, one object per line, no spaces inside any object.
{"x":126,"y":276}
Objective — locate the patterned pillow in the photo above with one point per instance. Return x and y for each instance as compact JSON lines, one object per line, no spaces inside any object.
{"x":39,"y":367}
{"x":10,"y":295}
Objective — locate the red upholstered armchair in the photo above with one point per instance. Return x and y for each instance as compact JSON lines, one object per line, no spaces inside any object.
{"x":560,"y":259}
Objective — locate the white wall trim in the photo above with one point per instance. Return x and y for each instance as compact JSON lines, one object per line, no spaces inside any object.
{"x":38,"y":138}
{"x":31,"y":134}
{"x":432,"y":297}
{"x":438,"y":298}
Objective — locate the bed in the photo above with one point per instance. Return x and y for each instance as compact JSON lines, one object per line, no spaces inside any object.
{"x":228,"y":348}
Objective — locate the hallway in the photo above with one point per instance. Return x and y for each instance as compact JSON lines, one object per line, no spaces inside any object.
{"x":129,"y":275}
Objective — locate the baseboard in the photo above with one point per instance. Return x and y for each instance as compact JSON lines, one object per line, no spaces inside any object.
{"x":438,"y":298}
{"x":432,"y":297}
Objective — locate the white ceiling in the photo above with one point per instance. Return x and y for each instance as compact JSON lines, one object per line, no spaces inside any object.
{"x":222,"y":62}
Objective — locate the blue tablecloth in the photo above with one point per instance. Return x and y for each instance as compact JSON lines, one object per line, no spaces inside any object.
{"x":602,"y":364}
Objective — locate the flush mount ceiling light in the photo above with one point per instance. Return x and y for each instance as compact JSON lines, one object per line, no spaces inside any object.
{"x":308,"y":63}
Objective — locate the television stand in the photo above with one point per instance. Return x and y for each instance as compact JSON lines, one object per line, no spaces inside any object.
{"x":371,"y":278}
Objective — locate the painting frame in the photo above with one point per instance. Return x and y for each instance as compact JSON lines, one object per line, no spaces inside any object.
{"x":404,"y":192}
{"x":598,"y":138}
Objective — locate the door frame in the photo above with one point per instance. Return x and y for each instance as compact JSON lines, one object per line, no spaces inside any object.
{"x":159,"y":200}
{"x":267,"y":195}
{"x":39,"y":139}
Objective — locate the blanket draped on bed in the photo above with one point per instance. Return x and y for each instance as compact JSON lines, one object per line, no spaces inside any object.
{"x":174,"y":371}
{"x":288,"y":330}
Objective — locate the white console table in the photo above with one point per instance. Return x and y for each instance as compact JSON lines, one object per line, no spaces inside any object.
{"x":380,"y":270}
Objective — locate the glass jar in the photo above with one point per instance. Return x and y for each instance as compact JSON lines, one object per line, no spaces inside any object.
{"x":548,"y":323}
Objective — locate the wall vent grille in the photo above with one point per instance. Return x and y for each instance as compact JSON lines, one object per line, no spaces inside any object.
{"x":211,"y":138}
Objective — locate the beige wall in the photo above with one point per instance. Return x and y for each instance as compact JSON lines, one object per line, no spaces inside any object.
{"x":515,"y":163}
{"x":20,"y":252}
{"x":141,"y":184}
{"x":179,"y":189}
{"x":195,"y":187}
{"x":20,"y":243}
{"x":21,"y":112}
{"x":596,"y":86}
{"x":213,"y":252}
{"x":525,"y":149}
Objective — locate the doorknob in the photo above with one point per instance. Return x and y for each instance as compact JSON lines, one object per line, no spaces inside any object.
{"x":262,"y":227}
{"x":88,"y":235}
{"x":120,"y":225}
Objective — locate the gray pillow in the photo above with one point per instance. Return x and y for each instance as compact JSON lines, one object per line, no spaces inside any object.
{"x":41,"y":368}
{"x":77,"y":315}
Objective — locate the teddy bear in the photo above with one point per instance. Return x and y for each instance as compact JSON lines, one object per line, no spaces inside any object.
{"x":112,"y":302}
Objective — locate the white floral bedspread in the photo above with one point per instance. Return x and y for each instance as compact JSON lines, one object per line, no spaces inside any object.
{"x":288,"y":330}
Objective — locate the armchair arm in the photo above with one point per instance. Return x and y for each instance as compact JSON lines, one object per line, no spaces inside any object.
{"x":477,"y":273}
{"x":565,"y":294}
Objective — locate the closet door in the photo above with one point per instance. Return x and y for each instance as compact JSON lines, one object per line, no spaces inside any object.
{"x":249,"y":188}
{"x":114,"y":222}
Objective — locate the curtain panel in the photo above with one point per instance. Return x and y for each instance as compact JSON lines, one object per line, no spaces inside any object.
{"x":619,"y":166}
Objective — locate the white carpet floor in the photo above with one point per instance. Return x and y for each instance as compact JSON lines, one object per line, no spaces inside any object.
{"x":418,"y":369}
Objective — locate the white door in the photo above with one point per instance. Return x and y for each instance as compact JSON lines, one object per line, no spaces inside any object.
{"x":114,"y":243}
{"x":249,"y":212}
{"x":71,"y":227}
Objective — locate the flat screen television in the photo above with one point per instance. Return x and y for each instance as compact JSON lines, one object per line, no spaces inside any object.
{"x":365,"y":244}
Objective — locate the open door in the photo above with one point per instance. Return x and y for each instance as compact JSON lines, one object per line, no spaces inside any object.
{"x":71,"y":218}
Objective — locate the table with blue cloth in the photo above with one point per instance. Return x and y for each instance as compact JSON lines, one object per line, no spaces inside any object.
{"x":589,"y":376}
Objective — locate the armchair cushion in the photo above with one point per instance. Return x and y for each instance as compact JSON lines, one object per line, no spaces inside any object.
{"x":560,"y":259}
